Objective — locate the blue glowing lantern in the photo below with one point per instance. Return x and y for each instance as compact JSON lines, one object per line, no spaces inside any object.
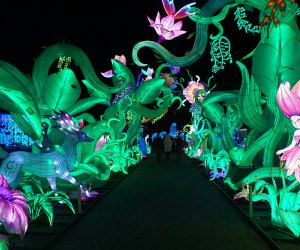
{"x":11,"y":135}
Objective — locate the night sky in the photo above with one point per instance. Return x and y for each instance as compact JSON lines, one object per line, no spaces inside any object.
{"x":103,"y":30}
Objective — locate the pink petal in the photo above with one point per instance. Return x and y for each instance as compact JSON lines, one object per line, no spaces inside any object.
{"x":169,"y":6}
{"x":289,"y":172}
{"x":13,"y":210}
{"x":287,"y":84}
{"x":297,"y":174}
{"x":177,"y":26}
{"x":107,"y":74}
{"x":172,"y":35}
{"x":21,"y":201}
{"x":168,"y":22}
{"x":291,"y":102}
{"x":2,"y":207}
{"x":291,"y":158}
{"x":18,"y":223}
{"x":148,"y":78}
{"x":158,"y":30}
{"x":150,"y":21}
{"x":157,"y":19}
{"x":296,"y":88}
{"x":100,"y":143}
{"x":183,"y":12}
{"x":279,"y":98}
{"x":7,"y":211}
{"x":288,"y":101}
{"x":3,"y":181}
{"x":121,"y":59}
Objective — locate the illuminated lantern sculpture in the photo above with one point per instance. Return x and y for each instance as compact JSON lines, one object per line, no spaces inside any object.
{"x":51,"y":165}
{"x":14,"y":213}
{"x":195,"y":89}
{"x":166,"y":27}
{"x":289,"y":102}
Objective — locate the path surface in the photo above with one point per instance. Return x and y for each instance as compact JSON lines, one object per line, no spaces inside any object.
{"x":163,"y":206}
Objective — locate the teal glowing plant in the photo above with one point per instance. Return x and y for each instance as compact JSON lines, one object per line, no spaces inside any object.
{"x":216,"y":164}
{"x":239,"y":16}
{"x":215,"y":114}
{"x":220,"y":53}
{"x":34,"y":99}
{"x":251,"y":108}
{"x":40,"y":201}
{"x":284,"y":202}
{"x":122,"y":120}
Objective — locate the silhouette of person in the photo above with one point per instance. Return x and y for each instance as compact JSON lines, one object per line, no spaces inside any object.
{"x":179,"y":144}
{"x":158,"y":147}
{"x":167,"y":146}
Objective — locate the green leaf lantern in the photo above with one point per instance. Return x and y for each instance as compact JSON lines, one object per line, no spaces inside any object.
{"x":236,"y":154}
{"x":62,"y":90}
{"x":149,"y":90}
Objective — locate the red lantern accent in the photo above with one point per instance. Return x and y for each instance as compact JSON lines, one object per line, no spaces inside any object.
{"x":270,"y":3}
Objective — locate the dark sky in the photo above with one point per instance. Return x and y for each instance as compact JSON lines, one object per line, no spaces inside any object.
{"x":104,"y":29}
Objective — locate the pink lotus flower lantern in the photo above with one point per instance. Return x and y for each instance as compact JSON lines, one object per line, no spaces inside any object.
{"x":166,"y":27}
{"x":289,"y":102}
{"x":14,"y":213}
{"x":289,"y":99}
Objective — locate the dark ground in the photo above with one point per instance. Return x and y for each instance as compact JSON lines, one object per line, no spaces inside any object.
{"x":166,"y":205}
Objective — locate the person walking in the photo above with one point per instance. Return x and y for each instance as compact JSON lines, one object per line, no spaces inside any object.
{"x":167,"y":146}
{"x":158,"y":146}
{"x":179,"y":144}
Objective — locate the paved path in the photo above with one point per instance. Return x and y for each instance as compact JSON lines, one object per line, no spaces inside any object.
{"x":163,"y":206}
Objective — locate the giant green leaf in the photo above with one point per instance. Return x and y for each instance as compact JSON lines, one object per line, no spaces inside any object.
{"x":250,"y":101}
{"x":214,"y":112}
{"x":149,"y":90}
{"x":12,"y":78}
{"x":85,"y":104}
{"x":291,"y":219}
{"x":96,"y":93}
{"x":16,"y":97}
{"x":281,"y":49}
{"x":61,"y":90}
{"x":237,"y":154}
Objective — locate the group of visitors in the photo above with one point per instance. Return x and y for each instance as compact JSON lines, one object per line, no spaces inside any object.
{"x":168,"y":145}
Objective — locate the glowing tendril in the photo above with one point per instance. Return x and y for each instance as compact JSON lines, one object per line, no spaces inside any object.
{"x":220,"y":53}
{"x":158,"y":118}
{"x":239,"y":16}
{"x":145,"y":120}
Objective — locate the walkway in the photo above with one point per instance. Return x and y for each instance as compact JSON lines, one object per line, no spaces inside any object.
{"x":163,"y":206}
